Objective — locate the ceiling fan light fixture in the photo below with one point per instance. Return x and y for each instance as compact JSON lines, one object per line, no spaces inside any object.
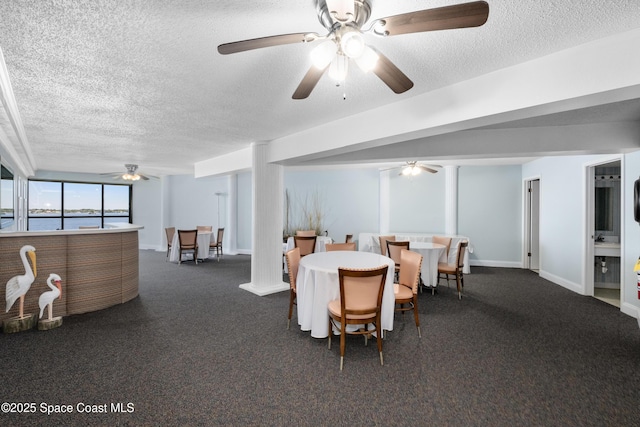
{"x":368,"y":60}
{"x":411,"y":170}
{"x":131,"y":177}
{"x":339,"y":68}
{"x":322,"y":54}
{"x":352,"y":44}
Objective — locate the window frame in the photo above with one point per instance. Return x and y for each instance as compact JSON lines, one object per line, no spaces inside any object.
{"x":62,"y":217}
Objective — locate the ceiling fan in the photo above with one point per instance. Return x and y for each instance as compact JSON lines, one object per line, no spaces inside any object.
{"x":414,"y":168}
{"x":344,"y":21}
{"x":130,"y":175}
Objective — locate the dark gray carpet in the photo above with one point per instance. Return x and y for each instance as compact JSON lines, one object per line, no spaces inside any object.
{"x":194,"y":349}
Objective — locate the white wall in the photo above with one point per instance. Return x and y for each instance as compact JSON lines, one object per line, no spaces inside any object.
{"x":490,"y":213}
{"x":562,"y":217}
{"x":350,"y":198}
{"x":631,"y":241}
{"x":416,"y":203}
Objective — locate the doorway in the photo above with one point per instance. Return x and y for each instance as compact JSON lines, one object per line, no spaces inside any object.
{"x":604,"y":207}
{"x":532,"y":235}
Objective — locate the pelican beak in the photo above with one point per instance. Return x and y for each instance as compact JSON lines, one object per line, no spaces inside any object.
{"x":32,"y":255}
{"x":59,"y":286}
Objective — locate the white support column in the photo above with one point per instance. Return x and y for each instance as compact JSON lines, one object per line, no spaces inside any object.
{"x":232,"y":215}
{"x":268,"y":199}
{"x":451,"y":200}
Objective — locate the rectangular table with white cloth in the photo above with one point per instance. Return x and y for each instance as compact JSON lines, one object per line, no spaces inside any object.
{"x":318,"y":283}
{"x":203,"y":239}
{"x":370,"y":242}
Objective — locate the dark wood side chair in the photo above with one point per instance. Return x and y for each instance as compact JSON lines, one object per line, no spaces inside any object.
{"x":188,"y":240}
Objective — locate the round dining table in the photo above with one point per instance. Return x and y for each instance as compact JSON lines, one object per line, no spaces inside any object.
{"x":432,"y":253}
{"x":317,"y":284}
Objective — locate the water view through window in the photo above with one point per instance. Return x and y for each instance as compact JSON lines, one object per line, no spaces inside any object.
{"x":6,"y":197}
{"x":68,"y":205}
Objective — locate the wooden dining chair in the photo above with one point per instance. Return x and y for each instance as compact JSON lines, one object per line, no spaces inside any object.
{"x":188,"y":240}
{"x":444,"y":241}
{"x":306,"y":233}
{"x":360,"y":303}
{"x":340,"y":246}
{"x":216,"y":245}
{"x":348,"y":238}
{"x":170,"y":232}
{"x":204,"y":228}
{"x":393,"y":249}
{"x":383,"y":243}
{"x":455,"y":269}
{"x":293,"y":261}
{"x":307,"y":244}
{"x":406,"y":291}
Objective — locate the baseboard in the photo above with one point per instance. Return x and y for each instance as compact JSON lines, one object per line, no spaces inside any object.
{"x":631,"y":310}
{"x":262,"y":290}
{"x":575,"y":287}
{"x":490,"y":263}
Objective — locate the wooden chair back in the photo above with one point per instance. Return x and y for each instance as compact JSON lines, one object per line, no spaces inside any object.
{"x":307,"y":244}
{"x":293,"y":261}
{"x":445,"y":241}
{"x":394,"y":248}
{"x":383,"y":243}
{"x":410,"y":265}
{"x":340,"y":247}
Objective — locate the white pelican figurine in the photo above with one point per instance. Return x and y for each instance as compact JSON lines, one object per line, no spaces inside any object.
{"x":46,"y":299}
{"x":18,"y":286}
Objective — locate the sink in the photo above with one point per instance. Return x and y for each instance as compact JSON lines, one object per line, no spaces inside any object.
{"x":606,"y":249}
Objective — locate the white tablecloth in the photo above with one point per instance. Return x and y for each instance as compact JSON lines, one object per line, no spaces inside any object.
{"x":204,"y":239}
{"x":370,"y":242}
{"x":318,"y":283}
{"x":431,"y":254}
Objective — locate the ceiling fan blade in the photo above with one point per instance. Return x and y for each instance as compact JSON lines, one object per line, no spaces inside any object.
{"x":259,"y":43}
{"x":391,"y":75}
{"x":309,"y":81}
{"x":426,"y":169}
{"x":463,"y":15}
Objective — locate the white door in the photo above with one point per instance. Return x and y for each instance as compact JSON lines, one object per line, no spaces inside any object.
{"x":534,"y":224}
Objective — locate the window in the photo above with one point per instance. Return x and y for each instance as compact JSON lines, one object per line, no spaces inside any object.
{"x":57,"y":205}
{"x":6,"y":198}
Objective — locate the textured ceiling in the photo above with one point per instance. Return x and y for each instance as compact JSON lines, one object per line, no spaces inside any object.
{"x":102,"y":83}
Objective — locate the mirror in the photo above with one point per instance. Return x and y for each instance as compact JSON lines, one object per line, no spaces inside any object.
{"x":604,"y":209}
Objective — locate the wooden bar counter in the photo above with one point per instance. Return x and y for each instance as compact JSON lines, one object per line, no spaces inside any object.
{"x":98,"y":267}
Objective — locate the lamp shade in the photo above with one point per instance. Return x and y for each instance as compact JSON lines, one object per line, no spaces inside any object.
{"x":368,"y":60}
{"x":352,"y":44}
{"x":322,"y":54}
{"x":339,"y":68}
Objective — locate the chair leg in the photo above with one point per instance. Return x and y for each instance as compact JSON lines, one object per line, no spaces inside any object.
{"x":415,"y":314}
{"x":379,"y":339}
{"x":329,"y":335}
{"x":458,"y":283}
{"x":343,"y":333}
{"x":291,"y":298}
